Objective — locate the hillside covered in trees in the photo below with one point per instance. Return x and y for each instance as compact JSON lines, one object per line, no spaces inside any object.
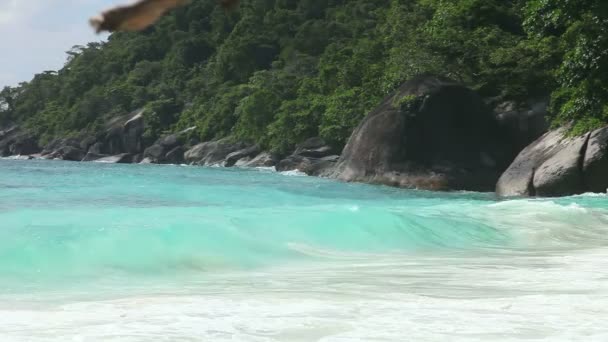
{"x":278,"y":71}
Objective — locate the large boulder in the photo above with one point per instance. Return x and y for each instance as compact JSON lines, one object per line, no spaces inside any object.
{"x":168,"y":149}
{"x":431,"y":133}
{"x":71,"y":153}
{"x":175,"y":156}
{"x":123,"y":134}
{"x":264,"y":159}
{"x":310,"y":166}
{"x":57,"y":148}
{"x":247,"y":153}
{"x":212,"y":152}
{"x":155,"y":153}
{"x":595,"y":165}
{"x":24,"y":144}
{"x":550,"y":166}
{"x":561,"y":174}
{"x":6,"y":140}
{"x":90,"y":156}
{"x":15,"y":141}
{"x":95,"y":148}
{"x":313,"y":157}
{"x":315,"y":148}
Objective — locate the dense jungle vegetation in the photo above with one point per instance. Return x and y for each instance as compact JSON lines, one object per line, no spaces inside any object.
{"x":279,"y":71}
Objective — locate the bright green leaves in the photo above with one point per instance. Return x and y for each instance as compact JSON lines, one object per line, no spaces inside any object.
{"x":581,"y":29}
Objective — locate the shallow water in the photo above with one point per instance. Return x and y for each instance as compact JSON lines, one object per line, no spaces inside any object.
{"x":97,"y":252}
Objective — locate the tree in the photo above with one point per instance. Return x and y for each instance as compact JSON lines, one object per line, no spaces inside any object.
{"x":581,"y":28}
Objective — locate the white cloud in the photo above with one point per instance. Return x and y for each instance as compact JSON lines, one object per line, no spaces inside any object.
{"x":9,"y":10}
{"x":36,"y":33}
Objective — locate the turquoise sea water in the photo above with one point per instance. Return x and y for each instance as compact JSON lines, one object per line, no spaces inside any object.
{"x":98,"y":252}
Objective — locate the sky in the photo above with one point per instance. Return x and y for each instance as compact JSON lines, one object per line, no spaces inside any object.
{"x":35,"y":34}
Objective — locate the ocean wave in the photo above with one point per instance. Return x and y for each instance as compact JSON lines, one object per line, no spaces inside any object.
{"x":84,"y":219}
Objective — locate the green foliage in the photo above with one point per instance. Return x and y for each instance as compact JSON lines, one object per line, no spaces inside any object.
{"x":581,"y":29}
{"x":405,"y":103}
{"x":279,"y":71}
{"x":158,"y":116}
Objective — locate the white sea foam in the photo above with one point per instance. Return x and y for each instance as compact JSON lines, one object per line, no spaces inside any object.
{"x":424,"y":298}
{"x":296,"y":173}
{"x":266,"y":168}
{"x":96,"y":253}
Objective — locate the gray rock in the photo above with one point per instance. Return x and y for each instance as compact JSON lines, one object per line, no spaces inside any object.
{"x":137,"y":158}
{"x":517,"y":180}
{"x":124,"y":134}
{"x":87,"y":142}
{"x":212,"y":152}
{"x":310,"y":166}
{"x":70,"y":153}
{"x":168,"y":149}
{"x":234,"y":157}
{"x":173,"y":140}
{"x":264,"y":159}
{"x":17,"y":141}
{"x":561,"y":174}
{"x":550,"y":166}
{"x":24,"y":144}
{"x":175,"y":156}
{"x":132,"y":133}
{"x":57,"y":144}
{"x":155,"y":153}
{"x":66,"y":149}
{"x":314,"y":148}
{"x":595,"y":165}
{"x":95,"y":148}
{"x":431,"y":133}
{"x":293,"y":162}
{"x":90,"y":156}
{"x":169,"y":141}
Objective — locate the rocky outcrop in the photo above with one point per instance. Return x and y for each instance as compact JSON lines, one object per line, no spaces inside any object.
{"x":90,"y":156}
{"x":431,"y":134}
{"x":310,"y":166}
{"x":175,"y":156}
{"x":169,"y":149}
{"x":264,"y":159}
{"x":212,"y":153}
{"x":15,"y":141}
{"x":561,"y":174}
{"x":243,"y":155}
{"x":313,"y":157}
{"x":595,"y":164}
{"x":123,"y":134}
{"x":69,"y":153}
{"x":65,"y":149}
{"x":155,"y":153}
{"x":58,"y":144}
{"x":315,"y":148}
{"x":556,"y":165}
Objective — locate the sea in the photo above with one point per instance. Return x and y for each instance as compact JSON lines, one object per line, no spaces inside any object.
{"x":107,"y":252}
